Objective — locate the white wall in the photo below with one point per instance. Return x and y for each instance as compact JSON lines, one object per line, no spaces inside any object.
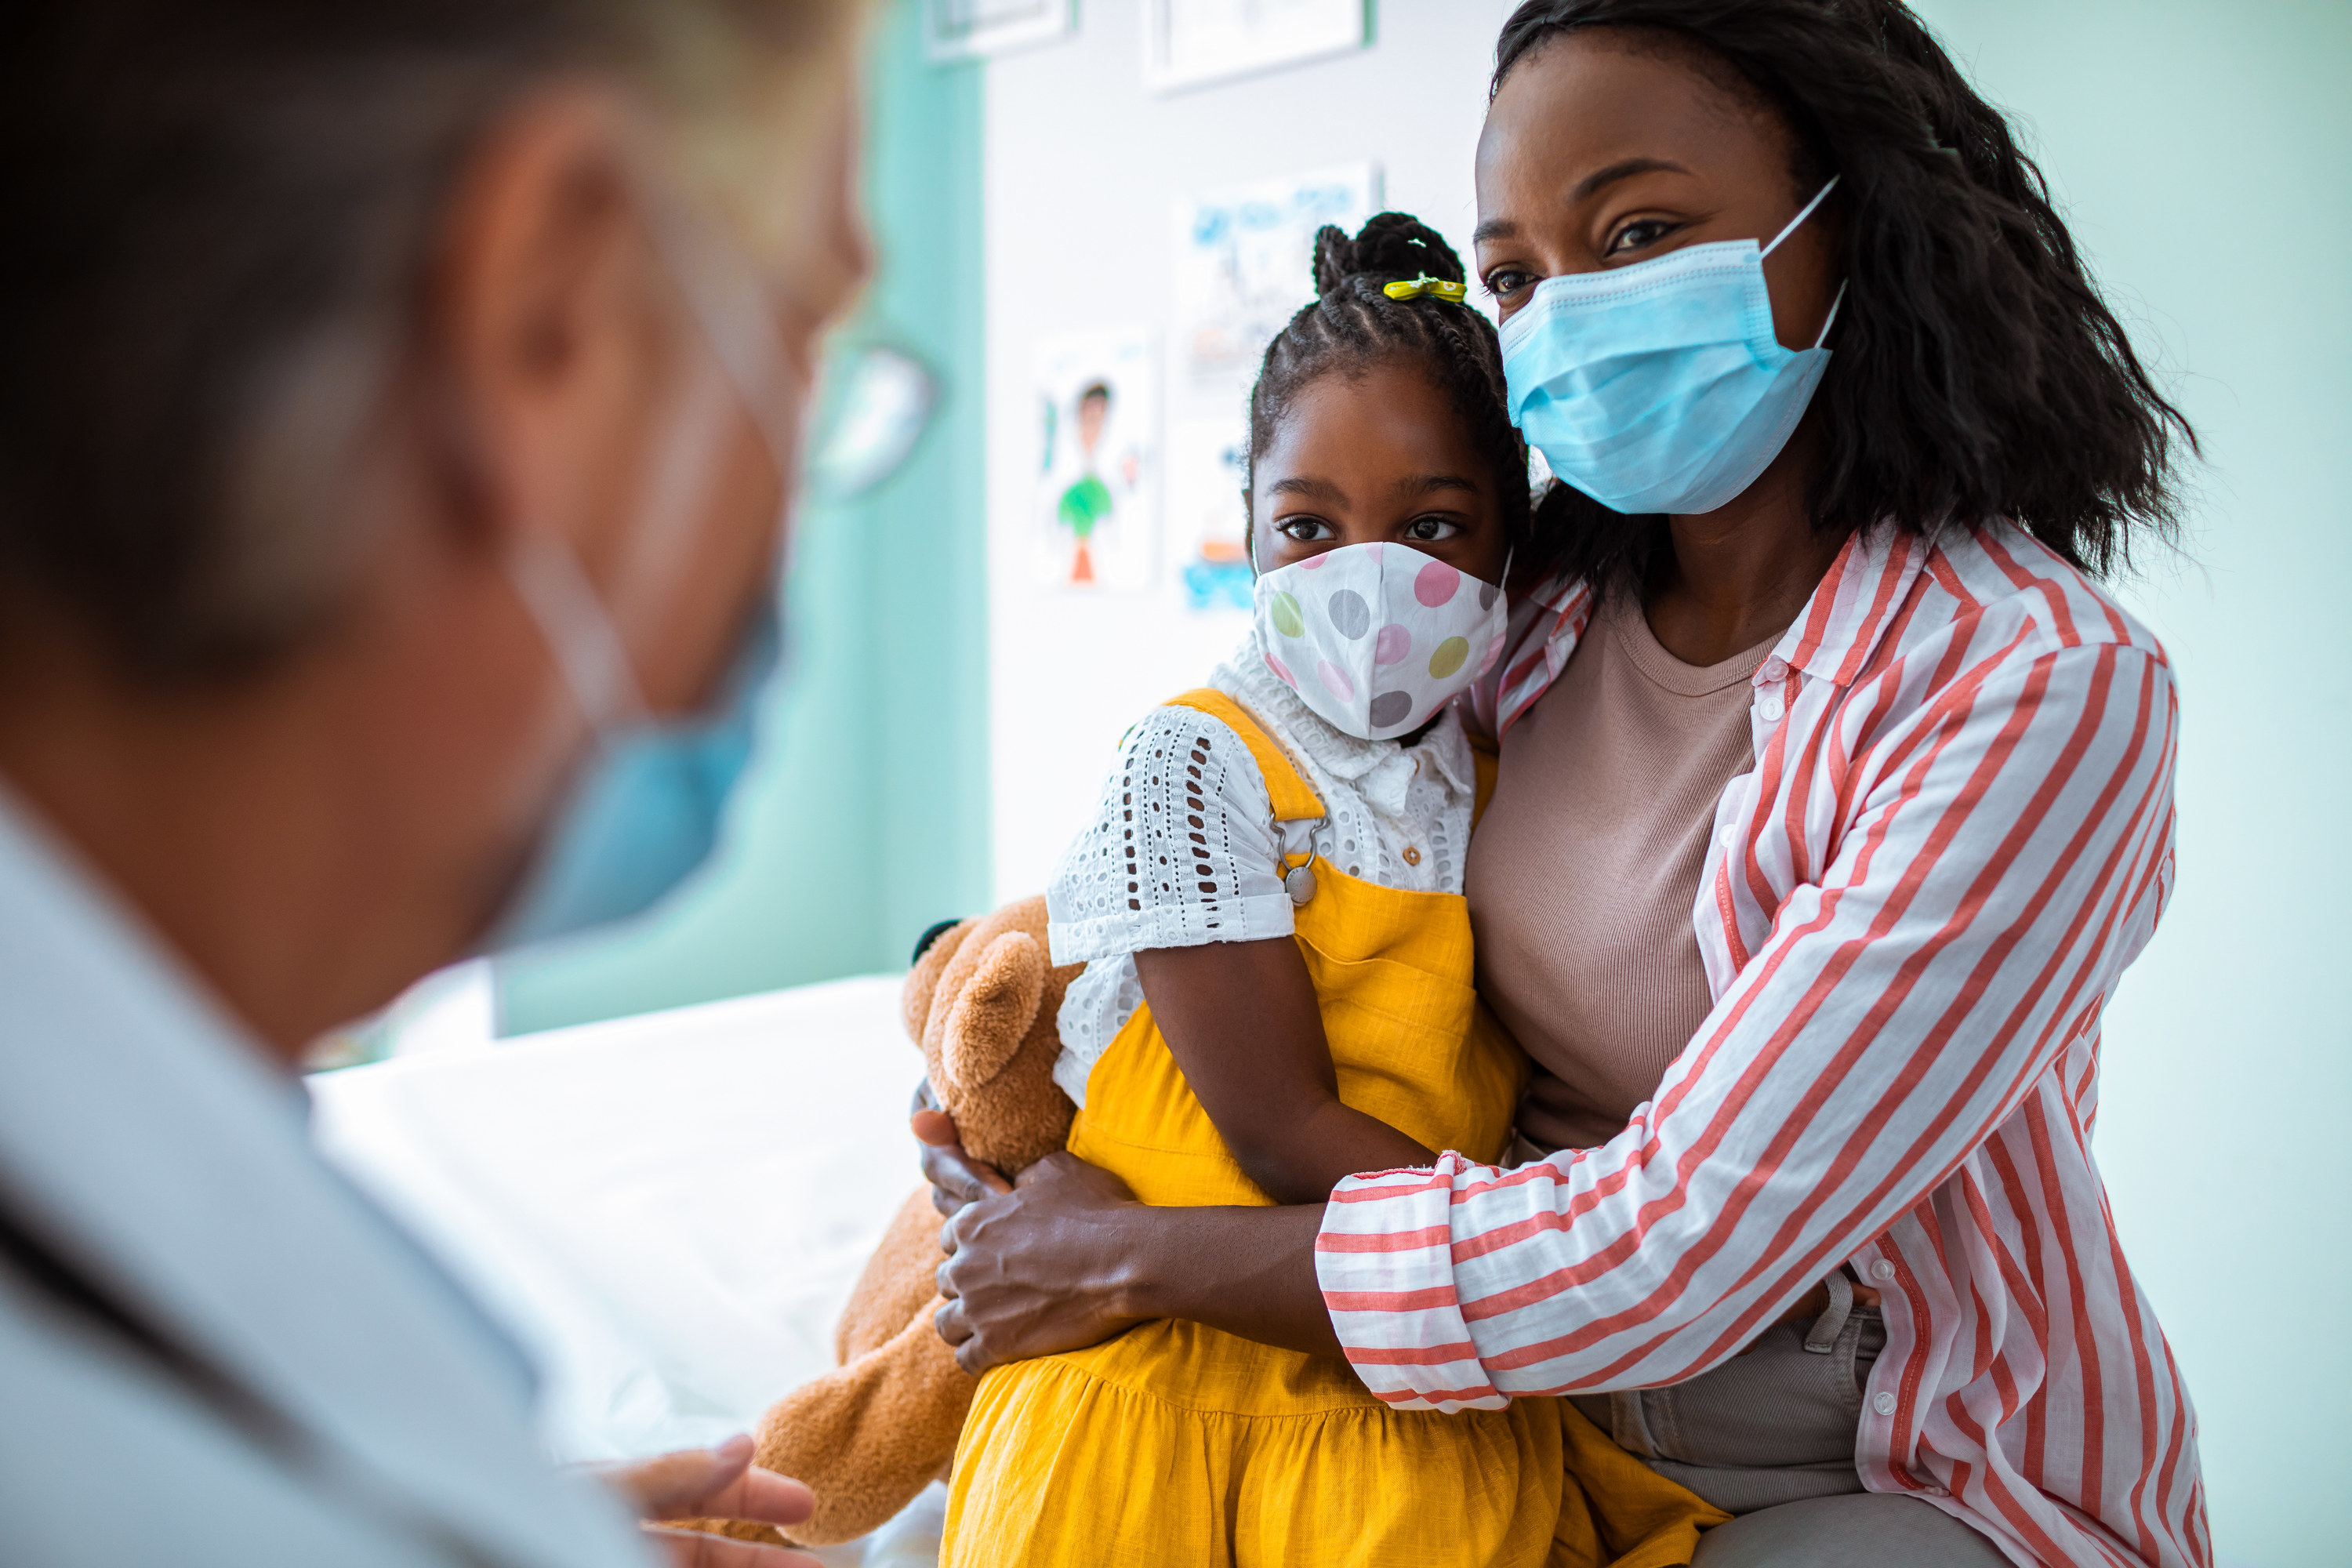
{"x":2199,"y":148}
{"x":1084,"y":172}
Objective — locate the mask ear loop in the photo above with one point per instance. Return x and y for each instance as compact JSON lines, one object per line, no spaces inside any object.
{"x":573,"y":625}
{"x":722,"y":292}
{"x":1807,"y":211}
{"x":1831,"y":319}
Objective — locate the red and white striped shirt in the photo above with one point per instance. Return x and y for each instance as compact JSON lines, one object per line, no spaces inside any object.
{"x":1956,"y":834}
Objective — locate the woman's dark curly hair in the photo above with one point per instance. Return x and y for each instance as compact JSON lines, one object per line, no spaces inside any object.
{"x":1977,"y":373}
{"x":1353,"y":323}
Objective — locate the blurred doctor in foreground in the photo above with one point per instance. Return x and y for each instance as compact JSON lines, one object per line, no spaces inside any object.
{"x":402,"y":399}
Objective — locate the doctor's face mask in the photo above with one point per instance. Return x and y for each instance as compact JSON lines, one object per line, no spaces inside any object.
{"x":1376,"y":638}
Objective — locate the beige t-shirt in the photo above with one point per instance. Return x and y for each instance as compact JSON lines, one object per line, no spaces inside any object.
{"x":1584,"y":871}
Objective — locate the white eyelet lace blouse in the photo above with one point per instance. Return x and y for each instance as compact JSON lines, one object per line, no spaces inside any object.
{"x":1182,"y":850}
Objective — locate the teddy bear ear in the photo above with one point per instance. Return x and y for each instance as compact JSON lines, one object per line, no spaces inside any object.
{"x":923,"y":980}
{"x":992,"y":1013}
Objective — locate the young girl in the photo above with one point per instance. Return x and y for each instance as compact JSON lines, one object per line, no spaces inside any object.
{"x":1279,"y":991}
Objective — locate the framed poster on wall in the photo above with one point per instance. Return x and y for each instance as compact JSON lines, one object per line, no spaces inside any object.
{"x":1190,"y":42}
{"x":963,"y":29}
{"x":1243,"y":264}
{"x":1095,"y":523}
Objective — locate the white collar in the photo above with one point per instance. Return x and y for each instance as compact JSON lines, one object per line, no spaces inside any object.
{"x":1381,"y":769}
{"x":149,"y":1140}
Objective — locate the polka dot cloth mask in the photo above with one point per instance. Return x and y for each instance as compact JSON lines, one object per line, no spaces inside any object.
{"x":1377,"y":637}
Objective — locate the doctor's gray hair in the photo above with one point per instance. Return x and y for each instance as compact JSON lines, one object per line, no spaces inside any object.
{"x":217,"y":228}
{"x":1977,"y":373}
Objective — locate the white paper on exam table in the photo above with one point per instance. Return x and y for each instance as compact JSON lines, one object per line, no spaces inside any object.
{"x":667,"y":1210}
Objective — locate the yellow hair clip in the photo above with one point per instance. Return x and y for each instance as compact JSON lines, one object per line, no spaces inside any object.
{"x":1456,"y":292}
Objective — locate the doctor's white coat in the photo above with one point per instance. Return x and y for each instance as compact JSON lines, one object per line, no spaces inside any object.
{"x":213,"y":1349}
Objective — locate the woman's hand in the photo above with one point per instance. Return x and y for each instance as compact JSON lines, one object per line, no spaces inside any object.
{"x":956,"y":1177}
{"x":1067,"y":1257}
{"x":1042,"y":1267}
{"x":712,"y":1483}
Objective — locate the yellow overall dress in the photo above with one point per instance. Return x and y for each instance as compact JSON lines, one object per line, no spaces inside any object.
{"x":1176,"y":1444}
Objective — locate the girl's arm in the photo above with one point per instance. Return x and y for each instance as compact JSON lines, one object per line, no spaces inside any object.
{"x":1242,"y":1020}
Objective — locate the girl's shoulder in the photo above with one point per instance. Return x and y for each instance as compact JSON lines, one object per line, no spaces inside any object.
{"x":1181,"y":849}
{"x":1192,"y":748}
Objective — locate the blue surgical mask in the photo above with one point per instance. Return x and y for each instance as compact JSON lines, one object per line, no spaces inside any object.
{"x":646,"y":810}
{"x":1660,"y":388}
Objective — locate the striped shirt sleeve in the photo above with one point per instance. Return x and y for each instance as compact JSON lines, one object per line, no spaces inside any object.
{"x":2003,"y":846}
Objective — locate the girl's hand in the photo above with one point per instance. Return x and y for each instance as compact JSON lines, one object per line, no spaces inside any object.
{"x":1042,"y":1267}
{"x":956,"y":1177}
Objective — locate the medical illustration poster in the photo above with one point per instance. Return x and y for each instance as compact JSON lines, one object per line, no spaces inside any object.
{"x":1207,"y":466}
{"x":1245,"y":261}
{"x":1096,"y":525}
{"x":1244,"y":266}
{"x":1188,"y":43}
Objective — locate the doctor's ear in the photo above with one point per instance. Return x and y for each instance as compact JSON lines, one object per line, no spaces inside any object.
{"x":551,"y":319}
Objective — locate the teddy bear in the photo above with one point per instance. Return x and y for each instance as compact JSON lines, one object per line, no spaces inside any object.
{"x":982,"y":1002}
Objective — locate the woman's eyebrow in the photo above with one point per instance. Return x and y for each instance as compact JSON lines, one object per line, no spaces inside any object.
{"x":1495,"y":228}
{"x":1623,"y":169}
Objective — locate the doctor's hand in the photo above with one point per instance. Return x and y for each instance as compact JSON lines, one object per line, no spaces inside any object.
{"x":1050,"y":1265}
{"x":956,"y":1177}
{"x":719,"y":1483}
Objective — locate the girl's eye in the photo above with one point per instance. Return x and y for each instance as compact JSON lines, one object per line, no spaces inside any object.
{"x":1504,"y":282}
{"x":1305,"y":529}
{"x":1641,"y":232}
{"x":1432,"y":527}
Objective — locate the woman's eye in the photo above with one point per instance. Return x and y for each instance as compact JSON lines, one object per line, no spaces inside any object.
{"x":1305,"y":529}
{"x":1639,"y":234}
{"x":1432,"y":527}
{"x":1503,"y":282}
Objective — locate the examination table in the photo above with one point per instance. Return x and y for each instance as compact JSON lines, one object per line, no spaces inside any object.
{"x":667,"y":1211}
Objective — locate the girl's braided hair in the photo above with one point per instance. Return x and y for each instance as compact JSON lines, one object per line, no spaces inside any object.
{"x":1979,"y":372}
{"x":1353,"y":323}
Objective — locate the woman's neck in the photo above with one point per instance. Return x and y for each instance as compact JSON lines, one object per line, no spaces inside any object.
{"x":1737,"y":575}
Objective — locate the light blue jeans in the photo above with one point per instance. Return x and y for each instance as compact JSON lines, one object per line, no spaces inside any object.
{"x":1769,"y":1437}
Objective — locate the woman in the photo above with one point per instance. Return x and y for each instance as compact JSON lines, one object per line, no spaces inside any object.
{"x":400,"y":403}
{"x":1834,"y":799}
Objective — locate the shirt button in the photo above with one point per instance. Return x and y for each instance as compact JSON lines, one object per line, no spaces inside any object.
{"x":1770,"y":708}
{"x":1939,"y":1491}
{"x":1775,"y":669}
{"x":1884,"y":1403}
{"x":1882,"y":1270}
{"x":1412,"y":856}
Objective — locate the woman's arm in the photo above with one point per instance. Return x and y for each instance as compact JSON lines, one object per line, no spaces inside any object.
{"x":2003,"y":856}
{"x":1242,"y":1020}
{"x":1066,"y":1257}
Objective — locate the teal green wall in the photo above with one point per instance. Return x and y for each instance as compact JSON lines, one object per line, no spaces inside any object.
{"x":2198,"y":149}
{"x":866,"y":816}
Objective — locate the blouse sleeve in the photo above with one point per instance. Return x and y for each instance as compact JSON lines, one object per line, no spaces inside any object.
{"x":1990,"y":890}
{"x":1181,"y":850}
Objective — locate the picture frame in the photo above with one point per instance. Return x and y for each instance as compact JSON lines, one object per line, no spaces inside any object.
{"x":976,"y":29}
{"x":1197,"y":43}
